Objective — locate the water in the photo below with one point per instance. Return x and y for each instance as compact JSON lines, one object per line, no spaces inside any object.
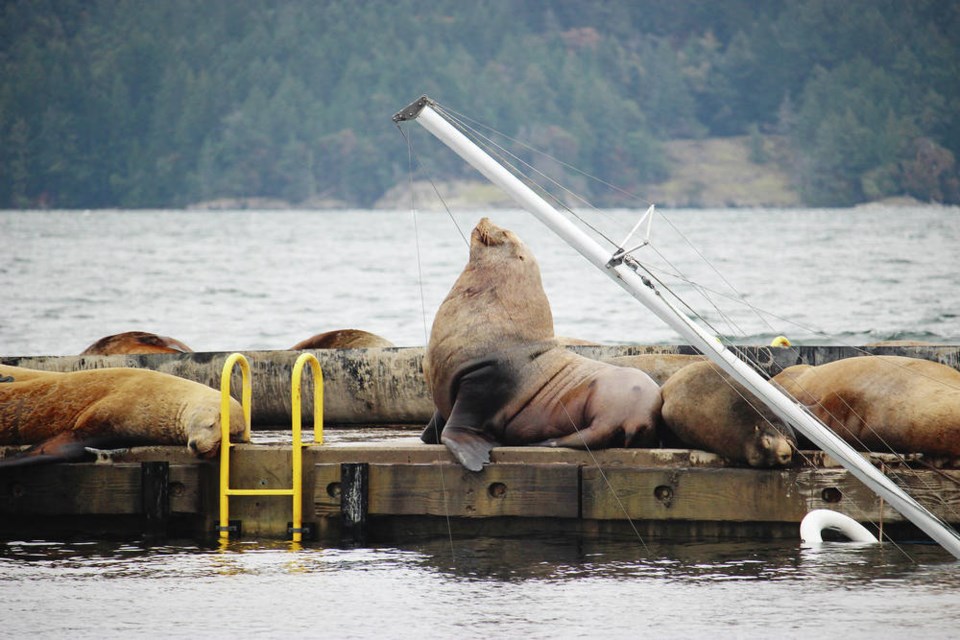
{"x":265,"y":280}
{"x":541,"y":588}
{"x":222,"y":281}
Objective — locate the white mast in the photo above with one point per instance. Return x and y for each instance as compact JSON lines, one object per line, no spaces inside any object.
{"x":624,"y":275}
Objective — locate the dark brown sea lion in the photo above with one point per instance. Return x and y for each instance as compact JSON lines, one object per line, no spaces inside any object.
{"x":883,"y":403}
{"x":62,"y":413}
{"x":135,"y":342}
{"x":498,"y":376}
{"x":343,"y":339}
{"x":706,"y":409}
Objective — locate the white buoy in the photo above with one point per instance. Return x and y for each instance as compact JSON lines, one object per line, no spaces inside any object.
{"x":814,"y":523}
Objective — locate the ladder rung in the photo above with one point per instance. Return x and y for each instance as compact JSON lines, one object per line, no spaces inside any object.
{"x":259,"y":492}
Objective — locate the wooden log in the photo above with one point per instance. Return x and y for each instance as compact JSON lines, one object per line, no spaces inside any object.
{"x":386,"y":386}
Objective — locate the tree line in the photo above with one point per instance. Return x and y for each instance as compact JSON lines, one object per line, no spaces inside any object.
{"x":126,"y":103}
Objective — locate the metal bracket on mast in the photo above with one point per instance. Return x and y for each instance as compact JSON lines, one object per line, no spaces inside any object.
{"x":412,"y":110}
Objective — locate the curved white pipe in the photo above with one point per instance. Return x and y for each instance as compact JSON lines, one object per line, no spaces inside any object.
{"x":813,"y":524}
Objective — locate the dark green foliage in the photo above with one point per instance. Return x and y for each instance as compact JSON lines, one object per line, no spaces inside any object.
{"x":145,"y":104}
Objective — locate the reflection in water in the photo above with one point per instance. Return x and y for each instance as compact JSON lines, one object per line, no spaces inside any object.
{"x":537,"y":587}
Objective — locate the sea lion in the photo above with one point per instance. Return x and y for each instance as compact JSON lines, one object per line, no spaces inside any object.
{"x":63,"y":413}
{"x":343,"y":339}
{"x":135,"y":342}
{"x":707,"y":409}
{"x":883,"y":403}
{"x":498,"y":376}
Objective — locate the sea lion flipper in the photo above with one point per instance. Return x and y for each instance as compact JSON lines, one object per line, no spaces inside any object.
{"x":470,"y":446}
{"x":431,"y":433}
{"x":63,"y":447}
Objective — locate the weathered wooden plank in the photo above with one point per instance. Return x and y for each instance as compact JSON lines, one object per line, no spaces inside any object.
{"x":529,"y":490}
{"x":754,"y":495}
{"x":91,"y":489}
{"x":688,"y":494}
{"x":838,"y":489}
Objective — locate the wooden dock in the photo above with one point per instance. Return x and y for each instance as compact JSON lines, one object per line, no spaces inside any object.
{"x":403,"y":488}
{"x":368,"y":483}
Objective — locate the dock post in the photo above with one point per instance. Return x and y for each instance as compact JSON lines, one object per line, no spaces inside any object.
{"x":354,"y":481}
{"x":155,"y":497}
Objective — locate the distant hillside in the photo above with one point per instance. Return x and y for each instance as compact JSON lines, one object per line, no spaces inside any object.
{"x":720,"y":172}
{"x":713,"y":172}
{"x":112,"y":103}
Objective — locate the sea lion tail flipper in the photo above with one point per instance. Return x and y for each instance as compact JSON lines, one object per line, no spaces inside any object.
{"x":597,"y":435}
{"x":470,"y":446}
{"x":431,"y":433}
{"x":63,"y":447}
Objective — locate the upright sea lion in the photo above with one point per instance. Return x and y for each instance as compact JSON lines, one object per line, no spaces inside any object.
{"x":883,"y":403}
{"x":706,"y":409}
{"x":343,"y":339}
{"x":135,"y":342}
{"x":62,"y":413}
{"x":498,"y":376}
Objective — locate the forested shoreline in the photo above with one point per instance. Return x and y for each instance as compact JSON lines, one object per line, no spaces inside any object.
{"x":113,"y":103}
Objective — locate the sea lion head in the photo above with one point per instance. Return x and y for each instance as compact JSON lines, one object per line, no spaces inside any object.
{"x":772,"y":445}
{"x":490,"y":241}
{"x":201,"y":423}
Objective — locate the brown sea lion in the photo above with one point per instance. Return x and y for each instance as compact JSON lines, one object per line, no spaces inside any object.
{"x":63,"y":413}
{"x":706,"y":409}
{"x":498,"y":376}
{"x":659,"y":366}
{"x":135,"y":342}
{"x":883,"y":403}
{"x":343,"y":339}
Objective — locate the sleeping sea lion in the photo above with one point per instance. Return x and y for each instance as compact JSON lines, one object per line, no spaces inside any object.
{"x":343,"y":339}
{"x":135,"y":342}
{"x":63,"y":413}
{"x":706,"y":409}
{"x":883,"y":403}
{"x":498,"y":376}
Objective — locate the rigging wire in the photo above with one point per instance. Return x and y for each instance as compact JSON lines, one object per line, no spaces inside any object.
{"x":569,"y":418}
{"x":497,"y":151}
{"x":423,"y":309}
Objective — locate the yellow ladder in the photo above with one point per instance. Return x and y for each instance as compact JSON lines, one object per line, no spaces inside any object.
{"x":296,"y":489}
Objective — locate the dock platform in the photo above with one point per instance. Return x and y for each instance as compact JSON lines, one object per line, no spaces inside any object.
{"x":373,"y":479}
{"x":402,"y":488}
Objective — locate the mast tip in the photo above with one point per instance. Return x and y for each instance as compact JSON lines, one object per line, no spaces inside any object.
{"x":412,"y":110}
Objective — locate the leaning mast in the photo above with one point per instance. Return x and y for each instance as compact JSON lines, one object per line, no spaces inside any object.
{"x":622,"y":270}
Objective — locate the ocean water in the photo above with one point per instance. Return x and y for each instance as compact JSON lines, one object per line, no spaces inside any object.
{"x":477,"y":588}
{"x":265,"y":280}
{"x":247,"y":280}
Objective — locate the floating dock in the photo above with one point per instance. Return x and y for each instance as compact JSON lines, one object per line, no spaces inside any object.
{"x":372,"y":483}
